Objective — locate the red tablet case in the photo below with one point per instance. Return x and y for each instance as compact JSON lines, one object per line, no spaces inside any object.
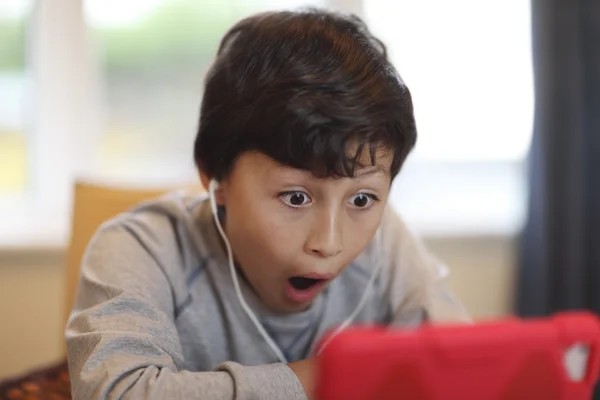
{"x":507,"y":359}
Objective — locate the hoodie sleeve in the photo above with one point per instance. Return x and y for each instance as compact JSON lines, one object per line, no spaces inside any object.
{"x":417,"y":282}
{"x":122,"y":342}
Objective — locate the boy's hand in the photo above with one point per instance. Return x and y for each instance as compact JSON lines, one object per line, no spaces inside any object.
{"x":306,"y":372}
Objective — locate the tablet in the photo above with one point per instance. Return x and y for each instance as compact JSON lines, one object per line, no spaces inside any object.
{"x":552,"y":358}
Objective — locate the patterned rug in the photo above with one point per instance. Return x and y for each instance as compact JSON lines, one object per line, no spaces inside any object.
{"x":44,"y":384}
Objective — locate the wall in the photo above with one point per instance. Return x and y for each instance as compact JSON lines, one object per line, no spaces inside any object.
{"x":482,"y":272}
{"x":31,"y":295}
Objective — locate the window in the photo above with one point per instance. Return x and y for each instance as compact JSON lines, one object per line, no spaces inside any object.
{"x":468,"y":66}
{"x":110,"y":90}
{"x":153,"y":56}
{"x":14,"y":84}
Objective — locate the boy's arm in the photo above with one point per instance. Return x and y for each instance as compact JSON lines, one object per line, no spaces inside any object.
{"x":122,"y":342}
{"x":418,"y":288}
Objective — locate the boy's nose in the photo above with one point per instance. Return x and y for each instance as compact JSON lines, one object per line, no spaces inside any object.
{"x":326,"y":237}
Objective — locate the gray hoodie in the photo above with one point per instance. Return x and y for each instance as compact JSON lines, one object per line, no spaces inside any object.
{"x":156,"y":315}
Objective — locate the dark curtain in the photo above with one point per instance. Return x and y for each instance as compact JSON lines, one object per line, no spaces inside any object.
{"x":560,"y":245}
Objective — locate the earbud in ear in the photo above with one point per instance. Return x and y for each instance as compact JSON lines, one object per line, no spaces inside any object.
{"x":212,"y":186}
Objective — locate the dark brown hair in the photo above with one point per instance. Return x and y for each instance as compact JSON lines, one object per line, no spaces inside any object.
{"x":301,"y":87}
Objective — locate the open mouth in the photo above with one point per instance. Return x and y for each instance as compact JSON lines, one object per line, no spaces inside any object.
{"x":302,"y":283}
{"x":303,"y":289}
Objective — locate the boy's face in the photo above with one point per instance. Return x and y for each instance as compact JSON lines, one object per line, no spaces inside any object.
{"x":292,"y":233}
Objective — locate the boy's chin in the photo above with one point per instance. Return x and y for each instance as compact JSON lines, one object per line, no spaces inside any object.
{"x":285,"y":306}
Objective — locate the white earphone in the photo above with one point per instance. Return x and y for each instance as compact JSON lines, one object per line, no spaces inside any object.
{"x":212,"y":187}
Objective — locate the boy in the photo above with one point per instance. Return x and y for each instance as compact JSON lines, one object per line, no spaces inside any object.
{"x":304,"y":124}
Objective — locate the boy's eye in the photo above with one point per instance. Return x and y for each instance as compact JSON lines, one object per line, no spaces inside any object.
{"x":362,"y":200}
{"x":295,"y":199}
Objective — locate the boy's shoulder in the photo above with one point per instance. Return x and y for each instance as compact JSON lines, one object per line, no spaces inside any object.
{"x":166,"y":227}
{"x":158,"y":216}
{"x":157,"y":240}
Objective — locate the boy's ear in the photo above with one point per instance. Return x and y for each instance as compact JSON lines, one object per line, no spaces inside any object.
{"x":204,"y":179}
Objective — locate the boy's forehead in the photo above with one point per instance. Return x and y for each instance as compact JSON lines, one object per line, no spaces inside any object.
{"x":379,"y":160}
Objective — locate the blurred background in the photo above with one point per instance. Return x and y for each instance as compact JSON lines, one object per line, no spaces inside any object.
{"x":108,"y":91}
